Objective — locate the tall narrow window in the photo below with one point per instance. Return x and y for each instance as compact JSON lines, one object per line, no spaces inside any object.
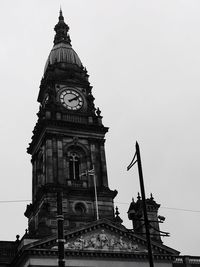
{"x":74,"y":163}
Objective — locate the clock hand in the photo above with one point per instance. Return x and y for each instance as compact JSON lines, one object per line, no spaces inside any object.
{"x":72,"y":99}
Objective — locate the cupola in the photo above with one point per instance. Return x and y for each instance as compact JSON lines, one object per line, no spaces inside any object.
{"x":62,"y":51}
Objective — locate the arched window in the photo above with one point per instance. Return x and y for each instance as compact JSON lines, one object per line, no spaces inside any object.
{"x":74,"y":166}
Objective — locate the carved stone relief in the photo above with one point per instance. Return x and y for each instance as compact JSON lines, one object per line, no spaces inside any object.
{"x":103,"y":240}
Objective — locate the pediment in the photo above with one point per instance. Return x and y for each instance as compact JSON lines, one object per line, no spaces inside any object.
{"x":103,"y":239}
{"x":103,"y":236}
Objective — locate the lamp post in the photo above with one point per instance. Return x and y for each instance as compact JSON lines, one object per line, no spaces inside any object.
{"x":60,"y":225}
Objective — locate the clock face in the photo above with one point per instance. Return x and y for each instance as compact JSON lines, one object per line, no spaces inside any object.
{"x":71,"y":99}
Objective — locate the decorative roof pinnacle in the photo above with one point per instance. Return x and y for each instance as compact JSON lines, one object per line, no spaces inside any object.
{"x":117,"y":218}
{"x":61,"y":15}
{"x":151,"y":196}
{"x":61,"y":29}
{"x":116,"y":211}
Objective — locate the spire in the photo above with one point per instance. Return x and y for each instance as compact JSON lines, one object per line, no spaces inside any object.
{"x":61,"y":15}
{"x":61,"y":29}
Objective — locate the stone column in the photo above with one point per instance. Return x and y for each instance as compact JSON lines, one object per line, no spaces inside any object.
{"x":94,"y":163}
{"x":60,"y":166}
{"x":103,"y":165}
{"x":55,"y":160}
{"x":49,"y":162}
{"x":34,"y":181}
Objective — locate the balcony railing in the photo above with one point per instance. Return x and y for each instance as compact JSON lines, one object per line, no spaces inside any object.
{"x":77,"y":183}
{"x":188,"y":260}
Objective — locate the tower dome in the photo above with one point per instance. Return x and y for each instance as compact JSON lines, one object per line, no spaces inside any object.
{"x":62,"y":51}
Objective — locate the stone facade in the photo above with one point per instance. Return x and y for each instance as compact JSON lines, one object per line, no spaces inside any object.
{"x":68,"y":141}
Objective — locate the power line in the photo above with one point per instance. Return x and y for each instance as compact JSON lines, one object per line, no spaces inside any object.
{"x":124,"y":203}
{"x":188,"y":210}
{"x":180,"y":209}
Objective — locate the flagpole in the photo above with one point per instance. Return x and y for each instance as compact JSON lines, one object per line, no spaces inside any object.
{"x":92,"y":173}
{"x":144,"y":205}
{"x":95,"y":192}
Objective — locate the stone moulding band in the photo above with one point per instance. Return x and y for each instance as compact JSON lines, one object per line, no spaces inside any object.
{"x":60,"y":218}
{"x":60,"y":240}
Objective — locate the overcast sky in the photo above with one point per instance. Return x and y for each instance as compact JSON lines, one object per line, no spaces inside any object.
{"x":143,"y":59}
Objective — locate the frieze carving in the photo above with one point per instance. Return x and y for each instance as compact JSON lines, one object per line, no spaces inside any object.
{"x":103,"y":241}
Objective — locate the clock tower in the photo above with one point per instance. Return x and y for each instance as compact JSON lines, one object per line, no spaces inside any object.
{"x":68,"y":141}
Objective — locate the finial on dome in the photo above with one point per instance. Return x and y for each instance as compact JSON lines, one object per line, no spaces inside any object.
{"x":61,"y":30}
{"x":61,"y":15}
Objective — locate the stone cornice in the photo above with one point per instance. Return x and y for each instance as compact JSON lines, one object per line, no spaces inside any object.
{"x":20,"y":257}
{"x":55,"y":128}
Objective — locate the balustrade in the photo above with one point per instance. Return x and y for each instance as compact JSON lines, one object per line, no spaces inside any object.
{"x":77,"y":183}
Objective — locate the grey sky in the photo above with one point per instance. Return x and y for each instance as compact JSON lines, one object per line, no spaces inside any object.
{"x":143,"y":59}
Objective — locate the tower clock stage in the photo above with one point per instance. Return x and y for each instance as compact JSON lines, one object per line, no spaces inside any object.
{"x":68,"y":141}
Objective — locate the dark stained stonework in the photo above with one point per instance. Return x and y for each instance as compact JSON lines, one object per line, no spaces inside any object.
{"x":7,"y":252}
{"x":64,"y":131}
